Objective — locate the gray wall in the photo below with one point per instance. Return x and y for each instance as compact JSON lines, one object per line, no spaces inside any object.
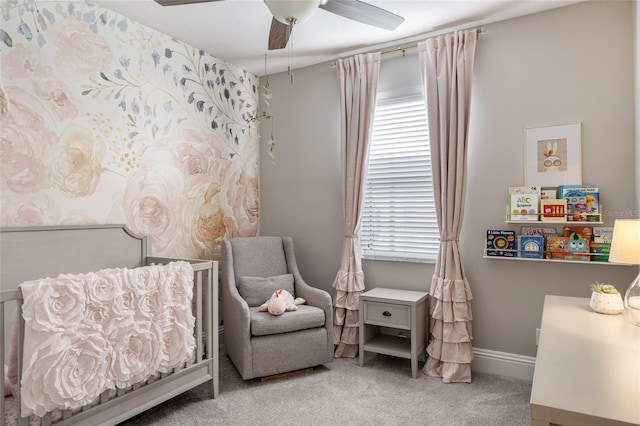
{"x":636,"y":56}
{"x":573,"y":64}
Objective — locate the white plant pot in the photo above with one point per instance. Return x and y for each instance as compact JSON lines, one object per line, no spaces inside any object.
{"x":610,"y":304}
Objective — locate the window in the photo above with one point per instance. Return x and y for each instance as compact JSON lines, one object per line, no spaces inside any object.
{"x":399,"y":217}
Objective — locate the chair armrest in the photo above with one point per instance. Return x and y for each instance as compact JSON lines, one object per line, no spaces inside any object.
{"x":236,"y":316}
{"x":320,"y":299}
{"x":316,"y":297}
{"x":313,"y":296}
{"x":236,"y":307}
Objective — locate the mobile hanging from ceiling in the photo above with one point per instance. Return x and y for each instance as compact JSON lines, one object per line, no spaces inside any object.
{"x":287,"y":13}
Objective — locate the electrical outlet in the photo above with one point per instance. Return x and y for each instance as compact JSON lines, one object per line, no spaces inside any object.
{"x":537,"y":336}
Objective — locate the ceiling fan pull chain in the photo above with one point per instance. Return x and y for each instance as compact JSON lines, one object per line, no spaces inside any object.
{"x":292,"y":22}
{"x":272,"y":146}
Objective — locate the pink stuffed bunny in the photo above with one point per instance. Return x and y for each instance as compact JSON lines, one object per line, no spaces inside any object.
{"x":281,"y":301}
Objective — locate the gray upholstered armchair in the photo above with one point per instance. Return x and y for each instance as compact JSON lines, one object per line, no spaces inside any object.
{"x":261,"y":344}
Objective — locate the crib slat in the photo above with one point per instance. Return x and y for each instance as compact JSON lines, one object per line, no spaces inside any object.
{"x":213,"y":334}
{"x":198,"y":336}
{"x":24,"y":421}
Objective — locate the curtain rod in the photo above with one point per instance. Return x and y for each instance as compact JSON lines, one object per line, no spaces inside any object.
{"x":481,"y":30}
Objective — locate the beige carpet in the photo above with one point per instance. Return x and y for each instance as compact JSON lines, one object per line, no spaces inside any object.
{"x":341,"y":392}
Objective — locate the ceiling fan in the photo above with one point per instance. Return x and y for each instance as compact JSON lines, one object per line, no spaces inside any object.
{"x":287,"y":13}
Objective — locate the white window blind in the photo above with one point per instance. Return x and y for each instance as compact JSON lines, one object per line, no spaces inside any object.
{"x":399,"y":218}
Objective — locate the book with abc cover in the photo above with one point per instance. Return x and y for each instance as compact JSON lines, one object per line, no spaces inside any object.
{"x":524,"y":202}
{"x":530,"y":246}
{"x":501,"y":243}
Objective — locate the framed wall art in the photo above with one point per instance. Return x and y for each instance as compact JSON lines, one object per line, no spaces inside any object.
{"x":553,"y":155}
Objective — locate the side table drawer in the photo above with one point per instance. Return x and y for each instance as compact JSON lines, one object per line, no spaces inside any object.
{"x":387,"y":314}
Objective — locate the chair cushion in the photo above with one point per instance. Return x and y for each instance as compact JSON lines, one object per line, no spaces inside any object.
{"x":263,"y":323}
{"x":258,"y":257}
{"x":257,"y":290}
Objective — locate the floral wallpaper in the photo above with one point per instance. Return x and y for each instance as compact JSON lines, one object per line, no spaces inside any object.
{"x":109,"y":121}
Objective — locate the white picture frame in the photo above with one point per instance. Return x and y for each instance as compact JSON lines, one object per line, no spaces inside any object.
{"x":553,"y":155}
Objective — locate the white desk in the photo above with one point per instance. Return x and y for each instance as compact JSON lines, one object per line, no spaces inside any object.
{"x":587,"y":367}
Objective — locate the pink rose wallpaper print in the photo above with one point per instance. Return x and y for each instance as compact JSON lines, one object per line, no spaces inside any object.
{"x":109,"y":121}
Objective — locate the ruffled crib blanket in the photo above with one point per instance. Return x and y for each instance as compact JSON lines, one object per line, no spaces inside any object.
{"x":88,"y":333}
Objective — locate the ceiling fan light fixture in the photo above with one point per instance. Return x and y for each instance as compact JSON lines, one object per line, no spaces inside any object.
{"x":287,"y":11}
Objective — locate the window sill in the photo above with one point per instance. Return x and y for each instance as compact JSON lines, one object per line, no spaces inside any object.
{"x":398,"y":259}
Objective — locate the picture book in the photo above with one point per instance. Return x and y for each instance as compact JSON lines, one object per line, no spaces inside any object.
{"x":550,"y":193}
{"x":583,"y":202}
{"x":577,"y":248}
{"x":524,"y":190}
{"x":538,"y":230}
{"x":602,"y":234}
{"x":556,"y":247}
{"x":593,"y":206}
{"x":564,"y":189}
{"x":531,"y":246}
{"x":553,"y":210}
{"x":600,"y":252}
{"x":524,"y":202}
{"x":585,"y":232}
{"x":501,"y":243}
{"x":576,"y":206}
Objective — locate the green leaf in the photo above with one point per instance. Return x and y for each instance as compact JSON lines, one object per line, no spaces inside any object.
{"x":6,"y":38}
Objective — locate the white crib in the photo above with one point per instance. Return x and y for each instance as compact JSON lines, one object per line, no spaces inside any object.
{"x":37,"y":252}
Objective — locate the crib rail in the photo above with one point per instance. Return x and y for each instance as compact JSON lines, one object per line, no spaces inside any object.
{"x":114,"y":407}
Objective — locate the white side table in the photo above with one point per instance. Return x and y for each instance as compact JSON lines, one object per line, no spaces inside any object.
{"x":394,"y":322}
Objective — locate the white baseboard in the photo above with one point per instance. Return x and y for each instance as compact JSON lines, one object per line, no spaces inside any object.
{"x":503,"y":364}
{"x":494,"y":362}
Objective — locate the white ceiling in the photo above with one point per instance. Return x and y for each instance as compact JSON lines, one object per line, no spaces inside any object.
{"x":237,"y":30}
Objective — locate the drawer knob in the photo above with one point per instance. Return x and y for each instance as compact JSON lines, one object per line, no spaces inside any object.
{"x":386,"y":313}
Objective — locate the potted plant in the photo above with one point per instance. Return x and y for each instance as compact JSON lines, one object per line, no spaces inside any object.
{"x":605,"y":299}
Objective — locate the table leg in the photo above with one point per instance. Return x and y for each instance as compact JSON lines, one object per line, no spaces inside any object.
{"x":414,"y":366}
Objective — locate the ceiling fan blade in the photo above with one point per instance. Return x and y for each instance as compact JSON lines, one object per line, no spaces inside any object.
{"x":278,"y":35}
{"x":364,"y":12}
{"x":179,"y":2}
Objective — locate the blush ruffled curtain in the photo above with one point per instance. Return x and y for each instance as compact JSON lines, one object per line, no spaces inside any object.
{"x":358,"y":78}
{"x":447,"y":67}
